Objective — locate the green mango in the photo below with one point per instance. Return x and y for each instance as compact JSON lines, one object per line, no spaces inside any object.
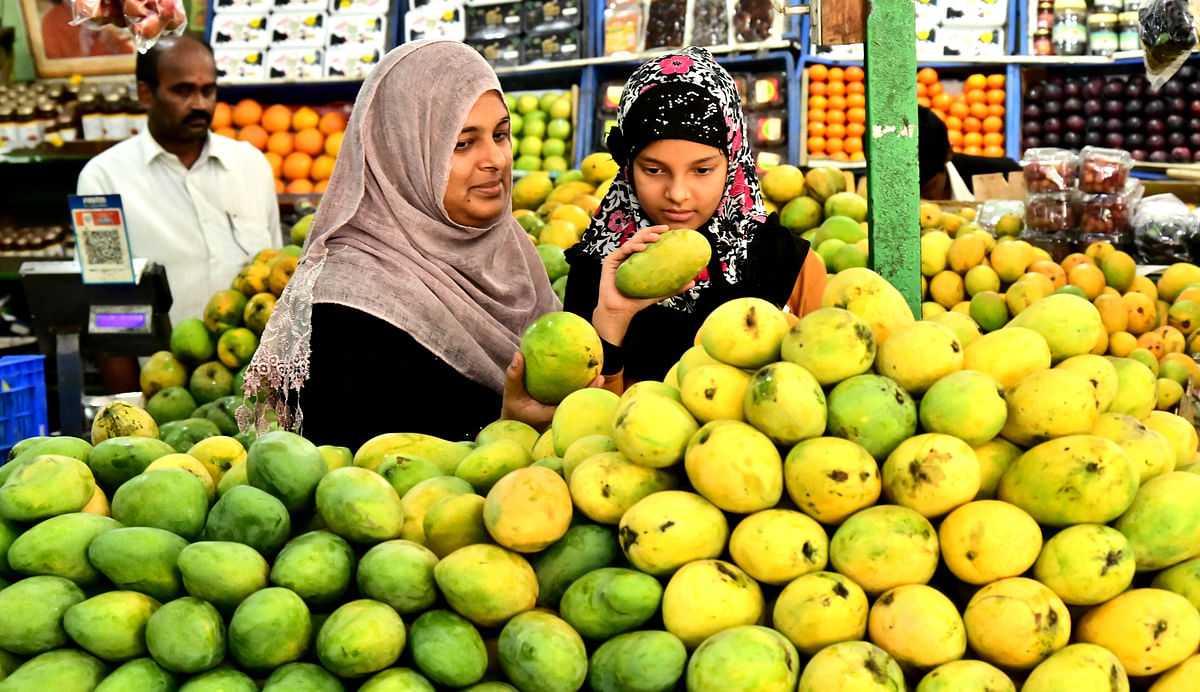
{"x":318,"y":566}
{"x":139,"y":675}
{"x":111,"y":625}
{"x":119,"y":459}
{"x":58,"y":546}
{"x":65,"y":670}
{"x":541,"y":653}
{"x":302,"y":677}
{"x":34,"y":447}
{"x":270,"y":628}
{"x":220,"y":680}
{"x":399,"y":573}
{"x":31,"y":613}
{"x":287,"y":466}
{"x":448,"y":649}
{"x":186,"y":635}
{"x":140,"y":558}
{"x":646,"y":661}
{"x":45,"y":486}
{"x":610,"y":601}
{"x":359,"y":638}
{"x":248,"y":515}
{"x":182,"y":434}
{"x":584,"y":548}
{"x":223,"y":573}
{"x":397,"y":680}
{"x":167,"y":498}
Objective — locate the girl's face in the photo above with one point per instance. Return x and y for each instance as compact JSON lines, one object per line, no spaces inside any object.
{"x":679,"y":183}
{"x":481,"y":167}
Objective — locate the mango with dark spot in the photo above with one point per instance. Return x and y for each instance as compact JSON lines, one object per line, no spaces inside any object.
{"x":1149,"y":630}
{"x":1077,"y":479}
{"x":1016,"y":623}
{"x":776,"y":546}
{"x":918,"y":354}
{"x":748,"y":658}
{"x":873,"y":411}
{"x":605,"y":485}
{"x":931,"y":473}
{"x":785,"y":401}
{"x":831,"y":343}
{"x":1086,"y":564}
{"x":715,"y":391}
{"x":666,"y":530}
{"x":885,"y":546}
{"x":1048,"y":404}
{"x":744,"y":332}
{"x":852,"y":665}
{"x":918,"y":626}
{"x":1078,"y":667}
{"x":706,"y":596}
{"x":819,"y":609}
{"x":966,"y":675}
{"x":653,"y":430}
{"x":871,"y":297}
{"x":830,"y":478}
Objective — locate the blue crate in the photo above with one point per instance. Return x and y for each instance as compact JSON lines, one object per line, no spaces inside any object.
{"x":22,"y":400}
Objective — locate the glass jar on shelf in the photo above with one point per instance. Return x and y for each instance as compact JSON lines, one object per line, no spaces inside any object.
{"x":1045,"y":14}
{"x":1128,"y":31}
{"x":116,"y":123}
{"x":91,"y":119}
{"x":1043,"y":42}
{"x":1070,"y":33}
{"x":1102,"y":33}
{"x":1109,"y":6}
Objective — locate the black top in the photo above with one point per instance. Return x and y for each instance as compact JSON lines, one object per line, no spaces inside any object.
{"x":367,"y":377}
{"x":970,"y":166}
{"x":659,"y":335}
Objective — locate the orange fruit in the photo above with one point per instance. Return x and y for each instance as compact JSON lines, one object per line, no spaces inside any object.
{"x":978,"y":110}
{"x":247,"y":112}
{"x":975,"y":96}
{"x":297,"y":165}
{"x":301,"y":186}
{"x":276,"y":162}
{"x":960,"y":110}
{"x":835,"y":131}
{"x":942,"y":101}
{"x":858,"y":156}
{"x":280,"y":186}
{"x":855,"y":129}
{"x":834,"y":145}
{"x":993,"y":139}
{"x":816,"y":129}
{"x":954,"y":123}
{"x":818,"y":102}
{"x":852,"y":145}
{"x":255,"y":135}
{"x":972,"y":124}
{"x":995,"y":97}
{"x":838,"y":117}
{"x":320,"y":187}
{"x":310,"y":141}
{"x":972,"y":151}
{"x":817,"y":88}
{"x":922,"y":90}
{"x":975,"y":82}
{"x":935,"y":89}
{"x":280,"y":143}
{"x":222,"y":116}
{"x":854,"y":73}
{"x":993,"y":124}
{"x":922,"y":101}
{"x":927,"y":75}
{"x":993,"y":151}
{"x":955,"y":137}
{"x":816,"y":116}
{"x":333,"y":143}
{"x":277,"y":118}
{"x":837,"y":74}
{"x":857,"y":115}
{"x":226,"y":132}
{"x":995,"y":81}
{"x":957,"y":150}
{"x":836,"y":103}
{"x":331,"y":122}
{"x":818,"y":73}
{"x":855,"y":100}
{"x":996,"y":110}
{"x":973,"y":139}
{"x":816,"y":145}
{"x":322,"y":167}
{"x":855,"y":88}
{"x":836,"y":88}
{"x":840,"y":156}
{"x":305,"y":118}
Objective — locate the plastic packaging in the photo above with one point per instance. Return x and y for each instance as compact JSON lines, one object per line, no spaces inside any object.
{"x":710,"y":23}
{"x":494,"y":21}
{"x":1051,"y":213}
{"x":1104,"y":170}
{"x":623,"y":28}
{"x":1109,"y":216}
{"x":755,"y":20}
{"x":540,"y":16}
{"x":1163,"y":230}
{"x":1168,"y":37}
{"x":1049,"y":169}
{"x":991,"y":211}
{"x":146,"y":20}
{"x":499,"y":52}
{"x":666,"y":21}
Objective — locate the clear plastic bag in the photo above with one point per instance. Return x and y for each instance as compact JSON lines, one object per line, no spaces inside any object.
{"x":666,"y":21}
{"x":1049,"y":169}
{"x":624,"y":28}
{"x":1168,"y":34}
{"x":1163,"y":230}
{"x":710,"y":23}
{"x":991,"y":211}
{"x":146,"y":20}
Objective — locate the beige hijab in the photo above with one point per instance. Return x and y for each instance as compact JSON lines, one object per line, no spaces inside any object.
{"x":383,"y":243}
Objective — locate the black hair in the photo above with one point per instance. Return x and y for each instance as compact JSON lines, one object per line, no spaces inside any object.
{"x":146,"y":68}
{"x":933,"y":143}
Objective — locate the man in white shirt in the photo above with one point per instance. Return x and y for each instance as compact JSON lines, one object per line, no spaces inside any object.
{"x":198,"y":203}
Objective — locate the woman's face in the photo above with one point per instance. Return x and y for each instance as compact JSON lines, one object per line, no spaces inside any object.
{"x":679,"y":183}
{"x":481,"y":167}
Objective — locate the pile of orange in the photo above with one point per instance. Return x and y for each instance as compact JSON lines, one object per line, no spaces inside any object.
{"x":301,"y":144}
{"x":975,"y":118}
{"x":837,"y":112}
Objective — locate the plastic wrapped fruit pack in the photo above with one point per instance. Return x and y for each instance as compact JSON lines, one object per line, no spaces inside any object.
{"x":146,"y":20}
{"x":1168,"y":34}
{"x":1163,"y":230}
{"x":1104,"y":170}
{"x":1049,"y":169}
{"x":1051,"y":212}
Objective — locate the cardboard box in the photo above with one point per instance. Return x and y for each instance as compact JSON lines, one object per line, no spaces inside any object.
{"x":240,"y":65}
{"x":298,"y":5}
{"x":356,"y":29}
{"x":993,"y":13}
{"x":972,"y":42}
{"x":501,"y":20}
{"x":360,"y":6}
{"x":297,"y":64}
{"x":499,"y":52}
{"x":436,"y":20}
{"x":224,"y":6}
{"x":352,"y":62}
{"x":240,"y":30}
{"x":553,"y":47}
{"x":303,"y":29}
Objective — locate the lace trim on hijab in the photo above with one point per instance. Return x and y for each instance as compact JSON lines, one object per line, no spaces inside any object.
{"x":280,"y":366}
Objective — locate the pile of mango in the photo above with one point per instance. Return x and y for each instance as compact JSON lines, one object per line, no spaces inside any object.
{"x":194,"y":387}
{"x":852,"y":500}
{"x":993,"y":278}
{"x":821,"y":206}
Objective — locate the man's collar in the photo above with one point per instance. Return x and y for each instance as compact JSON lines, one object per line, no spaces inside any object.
{"x":213,"y":148}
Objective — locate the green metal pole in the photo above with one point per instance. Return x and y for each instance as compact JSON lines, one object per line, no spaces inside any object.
{"x":893,"y":185}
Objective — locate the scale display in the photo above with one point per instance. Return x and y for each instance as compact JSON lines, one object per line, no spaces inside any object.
{"x":117,"y":319}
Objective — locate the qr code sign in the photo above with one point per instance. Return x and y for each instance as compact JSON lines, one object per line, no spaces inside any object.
{"x":103,"y":247}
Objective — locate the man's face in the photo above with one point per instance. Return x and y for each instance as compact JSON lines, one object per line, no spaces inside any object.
{"x":181,"y":107}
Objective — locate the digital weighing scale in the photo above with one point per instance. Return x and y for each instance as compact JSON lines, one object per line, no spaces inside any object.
{"x":71,"y":318}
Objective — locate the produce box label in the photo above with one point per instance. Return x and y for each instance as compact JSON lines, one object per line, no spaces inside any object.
{"x":297,"y":29}
{"x":239,"y":65}
{"x":359,"y":6}
{"x":295,"y":63}
{"x":352,"y":62}
{"x":101,"y":239}
{"x":357,"y":29}
{"x":240,"y":30}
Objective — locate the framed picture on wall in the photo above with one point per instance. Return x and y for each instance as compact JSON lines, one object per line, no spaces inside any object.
{"x":60,"y":49}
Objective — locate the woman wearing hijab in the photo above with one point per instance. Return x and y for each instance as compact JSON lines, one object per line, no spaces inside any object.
{"x":416,"y":282}
{"x":685,"y":162}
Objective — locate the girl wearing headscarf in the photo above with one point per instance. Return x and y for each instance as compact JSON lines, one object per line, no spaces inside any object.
{"x":685,"y":161}
{"x":416,"y":282}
